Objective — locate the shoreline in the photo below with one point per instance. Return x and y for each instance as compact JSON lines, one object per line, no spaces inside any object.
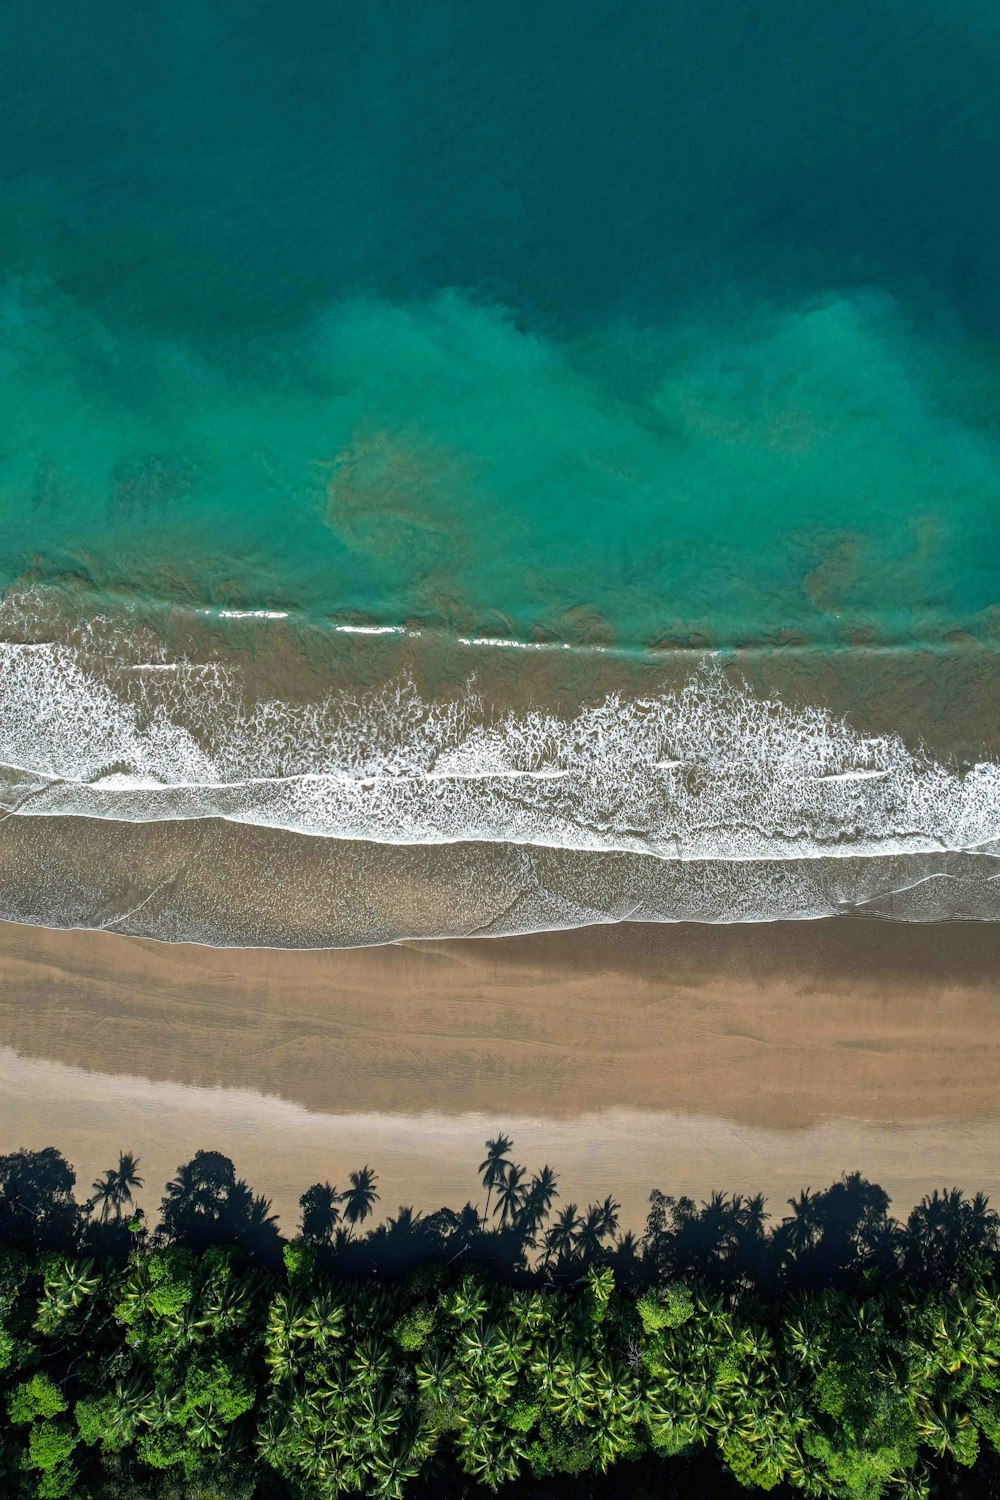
{"x":688,"y":1058}
{"x":428,"y":1160}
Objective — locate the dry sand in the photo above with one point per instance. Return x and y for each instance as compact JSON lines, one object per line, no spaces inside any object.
{"x":753,"y":1058}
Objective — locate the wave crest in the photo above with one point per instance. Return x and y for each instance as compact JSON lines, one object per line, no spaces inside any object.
{"x":710,"y":771}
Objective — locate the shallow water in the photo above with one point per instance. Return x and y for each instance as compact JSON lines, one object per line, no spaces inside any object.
{"x":562,"y":350}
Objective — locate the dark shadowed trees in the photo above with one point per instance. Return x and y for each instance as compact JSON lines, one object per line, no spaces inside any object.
{"x":320,"y":1205}
{"x":206,"y":1204}
{"x":37,"y":1206}
{"x":947,"y":1234}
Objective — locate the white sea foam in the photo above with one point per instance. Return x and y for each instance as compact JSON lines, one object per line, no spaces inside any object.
{"x":505,"y":644}
{"x":853,"y":776}
{"x":747,"y":778}
{"x":374,"y":630}
{"x":253,"y":614}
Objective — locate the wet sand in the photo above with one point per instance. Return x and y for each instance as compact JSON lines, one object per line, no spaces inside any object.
{"x":751,"y":1058}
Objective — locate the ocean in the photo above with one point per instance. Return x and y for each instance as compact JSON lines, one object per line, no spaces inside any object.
{"x":469,"y":471}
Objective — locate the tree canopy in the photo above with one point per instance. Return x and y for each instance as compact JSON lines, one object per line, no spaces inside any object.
{"x":838,"y":1353}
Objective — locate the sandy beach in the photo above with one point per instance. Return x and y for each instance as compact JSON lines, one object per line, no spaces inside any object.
{"x":756,"y":1058}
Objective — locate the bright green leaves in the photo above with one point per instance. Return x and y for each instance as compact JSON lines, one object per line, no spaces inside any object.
{"x":50,"y":1444}
{"x":37,"y":1397}
{"x":668,"y":1307}
{"x":412,"y":1330}
{"x":189,"y":1363}
{"x":344,"y":1411}
{"x":51,"y":1438}
{"x":68,"y":1284}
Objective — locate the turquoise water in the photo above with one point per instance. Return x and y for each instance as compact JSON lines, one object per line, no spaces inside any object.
{"x":632,"y":323}
{"x":634,"y":326}
{"x":809,"y":468}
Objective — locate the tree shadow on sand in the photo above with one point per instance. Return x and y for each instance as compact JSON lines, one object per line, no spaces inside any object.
{"x":839,"y":1236}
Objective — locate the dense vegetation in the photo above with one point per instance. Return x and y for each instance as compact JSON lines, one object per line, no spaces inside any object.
{"x":836,"y":1353}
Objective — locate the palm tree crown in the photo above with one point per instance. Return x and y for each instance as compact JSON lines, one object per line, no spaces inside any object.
{"x":361,"y":1196}
{"x":494,"y":1166}
{"x":114,"y":1189}
{"x":510,"y":1194}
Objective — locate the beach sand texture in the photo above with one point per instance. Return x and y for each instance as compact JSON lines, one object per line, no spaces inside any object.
{"x":754,"y":1058}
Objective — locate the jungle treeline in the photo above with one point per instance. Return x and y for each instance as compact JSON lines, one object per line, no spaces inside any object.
{"x":519,"y":1344}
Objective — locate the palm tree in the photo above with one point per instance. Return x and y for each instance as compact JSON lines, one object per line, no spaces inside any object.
{"x":753,"y":1215}
{"x":591,"y":1234}
{"x":125,"y":1411}
{"x":542,"y":1192}
{"x":103,"y":1194}
{"x":572,"y":1391}
{"x":494,"y":1166}
{"x":947,"y":1430}
{"x":800,"y":1226}
{"x":560,"y":1240}
{"x":66,"y":1286}
{"x":536,"y":1204}
{"x":609,"y":1211}
{"x":114,"y":1189}
{"x":361,"y":1196}
{"x":126,"y":1178}
{"x":510,"y":1194}
{"x":259,"y":1215}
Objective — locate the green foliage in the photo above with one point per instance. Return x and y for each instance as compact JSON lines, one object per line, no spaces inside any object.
{"x":523,"y":1415}
{"x":300,"y":1262}
{"x":600,"y":1290}
{"x":50,"y":1443}
{"x":667,"y":1308}
{"x":560,"y":1450}
{"x":221,"y":1387}
{"x":411,"y":1331}
{"x":198,"y":1374}
{"x":59,"y":1481}
{"x":93,"y":1418}
{"x":68,"y":1284}
{"x":171,"y":1281}
{"x":37,"y":1397}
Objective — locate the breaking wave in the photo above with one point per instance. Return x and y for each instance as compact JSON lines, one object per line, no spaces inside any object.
{"x":709,"y":771}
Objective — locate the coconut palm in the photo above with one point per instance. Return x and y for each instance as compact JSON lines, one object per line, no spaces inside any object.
{"x":946,"y":1430}
{"x":114,"y":1189}
{"x":67,"y":1285}
{"x":125,"y":1411}
{"x":322,"y":1319}
{"x":126,"y":1178}
{"x":360,"y":1198}
{"x":467,"y":1302}
{"x":594,"y":1228}
{"x":802,"y":1225}
{"x":543,"y":1189}
{"x":755,"y":1214}
{"x":572,"y":1386}
{"x":435,"y":1374}
{"x":537,"y":1203}
{"x":510,"y":1194}
{"x":560,"y":1240}
{"x":104,"y":1190}
{"x":609,"y":1211}
{"x":494,"y":1166}
{"x":259,"y":1215}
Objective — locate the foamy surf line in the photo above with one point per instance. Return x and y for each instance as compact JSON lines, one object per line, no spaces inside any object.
{"x":709,"y":772}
